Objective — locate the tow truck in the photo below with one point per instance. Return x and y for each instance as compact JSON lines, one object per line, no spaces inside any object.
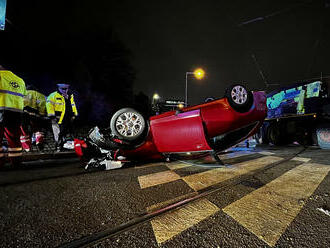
{"x":298,"y":113}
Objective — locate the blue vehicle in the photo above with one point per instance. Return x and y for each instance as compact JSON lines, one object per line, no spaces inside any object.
{"x":298,"y":113}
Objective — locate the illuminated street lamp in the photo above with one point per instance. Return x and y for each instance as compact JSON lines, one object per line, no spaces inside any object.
{"x":199,"y":73}
{"x":155,"y":97}
{"x":180,"y":106}
{"x":155,"y":103}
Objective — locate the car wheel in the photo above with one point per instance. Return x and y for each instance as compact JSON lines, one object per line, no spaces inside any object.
{"x":274,"y":135}
{"x":239,"y":98}
{"x":277,"y":135}
{"x":323,"y":136}
{"x":127,"y":124}
{"x":304,"y":136}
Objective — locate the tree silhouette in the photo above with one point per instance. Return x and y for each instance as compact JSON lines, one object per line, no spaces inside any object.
{"x":96,"y":65}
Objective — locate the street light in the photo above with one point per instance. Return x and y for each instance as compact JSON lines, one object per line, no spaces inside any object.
{"x":155,"y":103}
{"x":180,"y":106}
{"x":155,"y":97}
{"x":199,"y":73}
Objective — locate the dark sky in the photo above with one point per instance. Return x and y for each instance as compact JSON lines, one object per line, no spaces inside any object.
{"x":169,"y":38}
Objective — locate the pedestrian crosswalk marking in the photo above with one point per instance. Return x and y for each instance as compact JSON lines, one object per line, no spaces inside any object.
{"x":211,"y":177}
{"x":266,"y":153}
{"x":148,"y":165}
{"x":231,"y":155}
{"x":269,"y":210}
{"x":170,"y":202}
{"x":205,"y":179}
{"x":176,"y":166}
{"x":157,"y":178}
{"x":180,"y":165}
{"x":269,"y":218}
{"x":168,"y":176}
{"x":170,"y":224}
{"x":300,"y":159}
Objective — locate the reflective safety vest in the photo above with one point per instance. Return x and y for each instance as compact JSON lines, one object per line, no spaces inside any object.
{"x":56,"y":106}
{"x":12,"y":92}
{"x":35,"y":103}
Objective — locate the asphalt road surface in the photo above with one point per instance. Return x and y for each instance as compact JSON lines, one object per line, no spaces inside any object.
{"x":264,"y":197}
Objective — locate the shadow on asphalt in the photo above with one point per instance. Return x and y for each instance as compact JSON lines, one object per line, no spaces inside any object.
{"x":36,"y":170}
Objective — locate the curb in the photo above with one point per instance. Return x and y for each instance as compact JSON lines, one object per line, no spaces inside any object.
{"x":46,"y":155}
{"x":49,"y":155}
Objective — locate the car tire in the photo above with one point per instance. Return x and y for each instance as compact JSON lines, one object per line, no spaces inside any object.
{"x":323,"y":135}
{"x":275,"y":135}
{"x":128,"y":124}
{"x":239,"y":98}
{"x":278,"y":134}
{"x":303,"y":136}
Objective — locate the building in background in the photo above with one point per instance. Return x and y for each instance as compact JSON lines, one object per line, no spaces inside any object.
{"x":166,"y":105}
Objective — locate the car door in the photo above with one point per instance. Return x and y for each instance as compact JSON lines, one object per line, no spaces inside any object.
{"x":180,"y":132}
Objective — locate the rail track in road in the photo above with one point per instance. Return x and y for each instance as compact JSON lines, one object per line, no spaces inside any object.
{"x":79,"y":172}
{"x":141,"y":218}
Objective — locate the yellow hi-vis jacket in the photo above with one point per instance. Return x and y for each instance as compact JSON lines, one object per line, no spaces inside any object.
{"x":56,"y":106}
{"x":35,"y":103}
{"x":12,"y":92}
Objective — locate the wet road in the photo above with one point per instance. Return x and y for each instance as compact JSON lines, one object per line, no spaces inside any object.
{"x":267,"y":197}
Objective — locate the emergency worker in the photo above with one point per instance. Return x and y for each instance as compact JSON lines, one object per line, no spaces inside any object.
{"x":12,"y":92}
{"x":34,"y":117}
{"x":62,"y":110}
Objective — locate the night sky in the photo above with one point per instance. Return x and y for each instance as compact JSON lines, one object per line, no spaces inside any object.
{"x":168,"y":38}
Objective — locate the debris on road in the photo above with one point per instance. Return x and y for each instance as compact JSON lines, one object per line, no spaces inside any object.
{"x":325,"y":211}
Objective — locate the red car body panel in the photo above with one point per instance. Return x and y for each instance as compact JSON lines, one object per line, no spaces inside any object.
{"x":146,"y":151}
{"x":180,"y":132}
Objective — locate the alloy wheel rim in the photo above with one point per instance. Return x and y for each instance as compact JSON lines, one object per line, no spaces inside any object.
{"x":129,"y":124}
{"x":239,"y":95}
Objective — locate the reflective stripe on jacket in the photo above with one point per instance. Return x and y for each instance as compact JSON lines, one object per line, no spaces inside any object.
{"x":35,"y":102}
{"x":12,"y":92}
{"x":56,"y":103}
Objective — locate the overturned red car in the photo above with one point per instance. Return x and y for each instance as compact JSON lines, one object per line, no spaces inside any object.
{"x":209,"y":127}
